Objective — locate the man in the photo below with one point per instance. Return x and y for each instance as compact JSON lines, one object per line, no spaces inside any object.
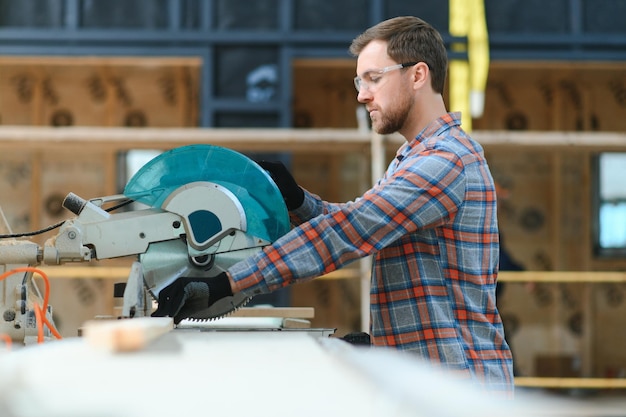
{"x":430,"y":222}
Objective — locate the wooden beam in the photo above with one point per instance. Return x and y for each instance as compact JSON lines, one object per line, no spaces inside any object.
{"x":327,"y":63}
{"x":99,"y":61}
{"x":121,"y":139}
{"x":548,"y":140}
{"x":596,"y":141}
{"x":117,"y":272}
{"x":562,"y":276}
{"x":280,"y":139}
{"x":553,"y":382}
{"x":122,"y":272}
{"x":557,"y":198}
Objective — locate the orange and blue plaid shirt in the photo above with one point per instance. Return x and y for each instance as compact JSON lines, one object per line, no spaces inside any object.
{"x":430,"y":224}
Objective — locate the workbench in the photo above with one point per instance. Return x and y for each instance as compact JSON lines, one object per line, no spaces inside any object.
{"x":196,"y":371}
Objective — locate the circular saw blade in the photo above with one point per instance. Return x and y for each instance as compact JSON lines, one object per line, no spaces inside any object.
{"x":164,"y":262}
{"x":265,"y":211}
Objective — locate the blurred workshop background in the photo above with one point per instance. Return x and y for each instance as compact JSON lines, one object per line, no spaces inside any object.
{"x":92,"y":89}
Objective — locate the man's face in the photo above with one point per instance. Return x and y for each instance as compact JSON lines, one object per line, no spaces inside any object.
{"x":384,"y":89}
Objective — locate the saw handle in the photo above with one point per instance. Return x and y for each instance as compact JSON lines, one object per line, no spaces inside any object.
{"x":74,"y":203}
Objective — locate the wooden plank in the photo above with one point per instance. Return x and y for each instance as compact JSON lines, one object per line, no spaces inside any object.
{"x":125,"y":335}
{"x":587,"y":344}
{"x":17,"y":84}
{"x":98,"y":61}
{"x":524,"y":66}
{"x":121,"y":272}
{"x":104,"y":73}
{"x":121,"y":138}
{"x":271,"y":139}
{"x":117,"y":272}
{"x":562,"y":276}
{"x":548,"y":140}
{"x":55,"y":87}
{"x":324,"y":63}
{"x":557,"y":120}
{"x":587,"y":207}
{"x":37,"y":103}
{"x":596,"y":141}
{"x":557,"y":198}
{"x":550,"y":382}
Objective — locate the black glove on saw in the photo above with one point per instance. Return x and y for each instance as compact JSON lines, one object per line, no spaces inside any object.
{"x":187,"y":295}
{"x":291,"y":191}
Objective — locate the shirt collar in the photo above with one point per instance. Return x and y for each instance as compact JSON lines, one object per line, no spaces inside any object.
{"x":433,"y":129}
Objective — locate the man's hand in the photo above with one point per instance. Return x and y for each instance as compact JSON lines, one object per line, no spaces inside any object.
{"x":290,"y":190}
{"x":185,"y":296}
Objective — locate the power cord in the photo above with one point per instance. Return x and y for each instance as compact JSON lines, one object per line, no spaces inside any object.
{"x":59,"y":224}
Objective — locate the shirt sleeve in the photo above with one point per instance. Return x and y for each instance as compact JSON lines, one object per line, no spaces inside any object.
{"x":422,"y":191}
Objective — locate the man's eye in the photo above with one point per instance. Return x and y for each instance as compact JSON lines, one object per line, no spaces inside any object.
{"x":371,"y":79}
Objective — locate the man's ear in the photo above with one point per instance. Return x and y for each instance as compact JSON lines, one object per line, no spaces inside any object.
{"x":421,"y":74}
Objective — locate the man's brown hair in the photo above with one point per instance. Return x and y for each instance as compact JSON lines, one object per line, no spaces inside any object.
{"x":409,"y":39}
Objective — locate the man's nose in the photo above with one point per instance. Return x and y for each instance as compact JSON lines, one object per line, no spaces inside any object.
{"x":364,"y":95}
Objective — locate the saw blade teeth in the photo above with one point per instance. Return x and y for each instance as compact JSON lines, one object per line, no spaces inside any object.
{"x":233,"y":307}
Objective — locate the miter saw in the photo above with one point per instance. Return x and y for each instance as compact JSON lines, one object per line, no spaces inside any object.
{"x":198,"y":210}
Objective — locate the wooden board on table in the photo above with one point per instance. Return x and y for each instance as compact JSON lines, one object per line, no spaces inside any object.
{"x":127,"y":334}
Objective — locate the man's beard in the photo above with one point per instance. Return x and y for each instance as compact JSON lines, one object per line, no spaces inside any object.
{"x":393,"y":120}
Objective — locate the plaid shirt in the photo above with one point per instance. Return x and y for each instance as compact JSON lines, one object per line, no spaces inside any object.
{"x":430,"y":224}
